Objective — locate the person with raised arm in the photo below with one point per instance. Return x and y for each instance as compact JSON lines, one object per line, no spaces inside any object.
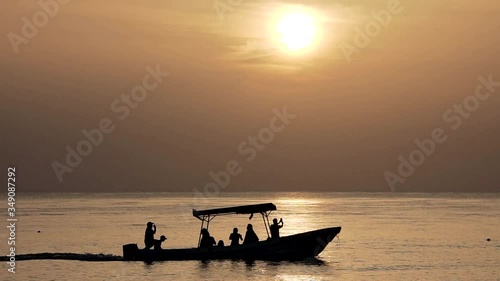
{"x":275,"y":228}
{"x":149,"y":235}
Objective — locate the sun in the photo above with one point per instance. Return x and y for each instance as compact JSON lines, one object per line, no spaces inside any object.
{"x":296,"y":31}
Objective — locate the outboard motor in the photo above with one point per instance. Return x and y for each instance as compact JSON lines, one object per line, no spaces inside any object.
{"x":129,"y":252}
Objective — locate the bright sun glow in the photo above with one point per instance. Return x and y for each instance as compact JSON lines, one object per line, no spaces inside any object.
{"x":296,"y":31}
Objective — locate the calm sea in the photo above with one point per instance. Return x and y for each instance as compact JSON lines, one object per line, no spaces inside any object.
{"x":384,"y":236}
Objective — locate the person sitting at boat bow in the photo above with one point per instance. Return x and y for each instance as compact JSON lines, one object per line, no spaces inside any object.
{"x":157,"y":243}
{"x":207,"y":241}
{"x":275,"y":228}
{"x":250,"y":236}
{"x":149,"y":235}
{"x":235,"y":237}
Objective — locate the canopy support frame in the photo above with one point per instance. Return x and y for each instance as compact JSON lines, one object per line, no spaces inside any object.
{"x":265,"y":217}
{"x":207,"y":219}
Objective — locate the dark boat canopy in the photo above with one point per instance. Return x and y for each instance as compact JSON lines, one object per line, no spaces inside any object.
{"x":247,"y":209}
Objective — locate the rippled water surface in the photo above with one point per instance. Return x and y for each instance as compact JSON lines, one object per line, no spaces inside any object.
{"x":384,"y":236}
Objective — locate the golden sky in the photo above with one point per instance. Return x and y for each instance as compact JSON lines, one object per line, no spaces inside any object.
{"x":228,"y":72}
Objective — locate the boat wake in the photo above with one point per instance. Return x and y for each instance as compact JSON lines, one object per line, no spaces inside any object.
{"x":65,"y":256}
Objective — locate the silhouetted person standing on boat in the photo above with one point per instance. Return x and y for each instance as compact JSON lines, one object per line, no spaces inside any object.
{"x":235,"y":237}
{"x":275,"y":228}
{"x":250,"y":236}
{"x":149,"y":236}
{"x":207,"y":241}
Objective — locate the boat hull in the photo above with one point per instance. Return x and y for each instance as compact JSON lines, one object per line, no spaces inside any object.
{"x":294,"y":247}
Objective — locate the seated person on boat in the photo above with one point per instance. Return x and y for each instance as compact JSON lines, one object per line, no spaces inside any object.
{"x":157,"y":243}
{"x":207,"y":241}
{"x":250,"y":236}
{"x":235,"y":237}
